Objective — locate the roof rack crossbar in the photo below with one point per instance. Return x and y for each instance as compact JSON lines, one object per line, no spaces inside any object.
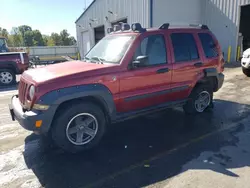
{"x":167,"y":25}
{"x":202,"y":26}
{"x":164,"y":26}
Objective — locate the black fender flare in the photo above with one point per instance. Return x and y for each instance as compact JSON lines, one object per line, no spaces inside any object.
{"x":98,"y":91}
{"x":211,"y":74}
{"x":9,"y":65}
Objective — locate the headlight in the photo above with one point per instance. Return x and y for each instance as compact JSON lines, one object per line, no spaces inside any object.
{"x":32,"y":92}
{"x":40,"y":107}
{"x":246,"y":56}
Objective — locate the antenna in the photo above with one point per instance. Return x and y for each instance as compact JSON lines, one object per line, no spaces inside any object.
{"x":85,"y":5}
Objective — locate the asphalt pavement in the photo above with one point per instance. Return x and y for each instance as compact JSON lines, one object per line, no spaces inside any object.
{"x":167,"y":149}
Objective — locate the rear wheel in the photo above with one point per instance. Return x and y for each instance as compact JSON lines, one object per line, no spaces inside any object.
{"x":246,"y":71}
{"x":201,"y":98}
{"x":79,"y":127}
{"x":7,"y":77}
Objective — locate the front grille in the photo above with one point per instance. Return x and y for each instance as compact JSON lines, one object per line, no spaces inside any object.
{"x":22,"y":90}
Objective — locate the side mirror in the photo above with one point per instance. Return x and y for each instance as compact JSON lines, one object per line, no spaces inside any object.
{"x":140,"y":61}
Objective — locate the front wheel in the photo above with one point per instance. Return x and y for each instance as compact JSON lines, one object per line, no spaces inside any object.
{"x":200,"y":99}
{"x":7,"y":77}
{"x":79,"y":127}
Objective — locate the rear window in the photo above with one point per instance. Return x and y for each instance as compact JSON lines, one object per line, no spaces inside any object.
{"x":209,"y":45}
{"x":185,"y":48}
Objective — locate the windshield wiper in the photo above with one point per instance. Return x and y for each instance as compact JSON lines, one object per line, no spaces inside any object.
{"x":86,"y":58}
{"x":101,"y":60}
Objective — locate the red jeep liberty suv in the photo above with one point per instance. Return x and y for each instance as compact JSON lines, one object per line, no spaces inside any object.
{"x":130,"y":72}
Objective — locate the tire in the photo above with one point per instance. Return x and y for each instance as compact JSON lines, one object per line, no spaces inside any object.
{"x":45,"y":143}
{"x":4,"y":75}
{"x":66,"y":120}
{"x":246,"y":71}
{"x":191,"y":108}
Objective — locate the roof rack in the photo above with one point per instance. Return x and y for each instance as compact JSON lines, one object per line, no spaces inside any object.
{"x":167,"y":25}
{"x":164,"y":26}
{"x":137,"y":27}
{"x":122,"y":27}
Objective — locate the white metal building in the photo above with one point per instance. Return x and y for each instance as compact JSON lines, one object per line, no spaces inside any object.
{"x":226,"y":18}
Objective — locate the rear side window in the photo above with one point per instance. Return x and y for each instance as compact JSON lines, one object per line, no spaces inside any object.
{"x":185,"y":48}
{"x":209,"y":45}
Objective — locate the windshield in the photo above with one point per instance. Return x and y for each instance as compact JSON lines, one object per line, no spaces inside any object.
{"x":110,"y":49}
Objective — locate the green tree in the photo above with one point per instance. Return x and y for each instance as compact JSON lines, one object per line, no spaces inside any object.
{"x":28,"y":38}
{"x":4,"y":32}
{"x":15,"y":38}
{"x":38,"y":38}
{"x":56,"y":39}
{"x":23,"y":29}
{"x":45,"y":39}
{"x":25,"y":36}
{"x":65,"y":37}
{"x":72,"y":40}
{"x":50,"y":42}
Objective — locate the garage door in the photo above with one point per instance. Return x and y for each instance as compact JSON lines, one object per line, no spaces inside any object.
{"x":85,"y":44}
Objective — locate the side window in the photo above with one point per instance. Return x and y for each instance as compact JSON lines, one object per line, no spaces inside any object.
{"x":208,"y":45}
{"x":155,"y":48}
{"x":185,"y":48}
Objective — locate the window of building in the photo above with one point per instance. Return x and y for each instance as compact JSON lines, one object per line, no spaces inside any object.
{"x":185,"y":48}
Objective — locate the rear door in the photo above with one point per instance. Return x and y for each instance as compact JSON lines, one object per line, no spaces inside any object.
{"x":147,"y":86}
{"x":187,"y":63}
{"x":211,"y":51}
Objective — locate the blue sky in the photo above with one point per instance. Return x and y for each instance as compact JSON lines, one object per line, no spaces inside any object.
{"x":45,"y":15}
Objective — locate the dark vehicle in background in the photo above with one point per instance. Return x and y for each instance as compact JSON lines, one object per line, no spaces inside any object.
{"x":11,"y":64}
{"x":3,"y":45}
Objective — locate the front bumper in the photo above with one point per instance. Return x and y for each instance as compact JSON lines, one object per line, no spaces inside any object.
{"x":28,"y":119}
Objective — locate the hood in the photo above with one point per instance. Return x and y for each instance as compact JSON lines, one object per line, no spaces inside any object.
{"x":247,"y":52}
{"x":59,"y":70}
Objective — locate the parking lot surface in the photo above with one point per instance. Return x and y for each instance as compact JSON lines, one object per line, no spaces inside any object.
{"x":167,"y":149}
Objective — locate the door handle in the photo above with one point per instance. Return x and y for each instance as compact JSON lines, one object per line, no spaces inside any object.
{"x":198,"y":64}
{"x":160,"y":71}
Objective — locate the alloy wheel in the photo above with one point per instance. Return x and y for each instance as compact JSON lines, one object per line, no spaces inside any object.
{"x":81,"y":129}
{"x":202,"y":102}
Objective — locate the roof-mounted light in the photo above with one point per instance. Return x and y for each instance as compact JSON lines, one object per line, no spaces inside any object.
{"x":117,"y":28}
{"x":110,"y":30}
{"x":137,"y":27}
{"x":125,"y":27}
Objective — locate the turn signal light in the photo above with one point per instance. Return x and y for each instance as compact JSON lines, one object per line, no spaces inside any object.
{"x":39,"y":123}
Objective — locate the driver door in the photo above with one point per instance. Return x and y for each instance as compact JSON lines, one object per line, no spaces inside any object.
{"x":148,"y":85}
